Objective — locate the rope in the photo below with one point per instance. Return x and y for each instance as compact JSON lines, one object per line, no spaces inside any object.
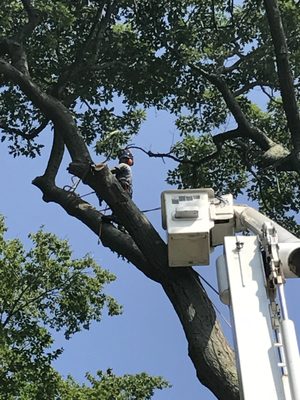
{"x":87,"y":194}
{"x":214,"y":306}
{"x":72,"y":188}
{"x":208,"y":284}
{"x":151,"y":209}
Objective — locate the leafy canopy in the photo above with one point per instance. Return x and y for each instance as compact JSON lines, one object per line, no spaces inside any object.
{"x":187,"y":57}
{"x":42,"y":290}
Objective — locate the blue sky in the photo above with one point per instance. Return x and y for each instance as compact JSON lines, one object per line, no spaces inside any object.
{"x":148,"y":336}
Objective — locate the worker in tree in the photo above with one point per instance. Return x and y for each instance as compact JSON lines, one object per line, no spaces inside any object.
{"x":123,"y":170}
{"x":124,"y":176}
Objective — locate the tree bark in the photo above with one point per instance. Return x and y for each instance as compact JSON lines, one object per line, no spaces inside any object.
{"x":208,"y":348}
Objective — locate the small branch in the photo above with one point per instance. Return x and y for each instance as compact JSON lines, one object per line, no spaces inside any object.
{"x":87,"y":55}
{"x":177,"y":159}
{"x":13,"y":309}
{"x":270,"y":96}
{"x":241,"y":59}
{"x":249,"y":86}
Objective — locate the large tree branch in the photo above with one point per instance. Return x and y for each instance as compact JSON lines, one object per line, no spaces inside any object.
{"x":53,"y":110}
{"x":55,"y":158}
{"x":244,"y":125}
{"x":16,"y":52}
{"x":284,"y":71}
{"x":87,"y":55}
{"x":34,"y":18}
{"x":119,"y":242}
{"x":208,"y":349}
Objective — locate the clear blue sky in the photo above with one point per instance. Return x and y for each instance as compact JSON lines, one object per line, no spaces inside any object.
{"x":148,"y":336}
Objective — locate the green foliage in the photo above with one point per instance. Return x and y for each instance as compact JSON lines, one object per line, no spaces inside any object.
{"x":150,"y":53}
{"x":211,"y":174}
{"x":107,"y":386}
{"x":43,"y":289}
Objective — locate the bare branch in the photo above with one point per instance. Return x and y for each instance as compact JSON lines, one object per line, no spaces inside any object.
{"x":284,"y":71}
{"x":177,"y":159}
{"x":270,"y":96}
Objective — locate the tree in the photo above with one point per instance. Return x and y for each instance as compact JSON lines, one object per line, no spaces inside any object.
{"x":63,"y":63}
{"x":44,"y":289}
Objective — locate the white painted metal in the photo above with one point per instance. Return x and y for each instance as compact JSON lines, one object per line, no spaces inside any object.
{"x":265,"y":340}
{"x":222,"y":279}
{"x":257,"y":357}
{"x":289,"y":245}
{"x":290,"y":345}
{"x":189,"y":216}
{"x":221,"y":212}
{"x":185,"y":215}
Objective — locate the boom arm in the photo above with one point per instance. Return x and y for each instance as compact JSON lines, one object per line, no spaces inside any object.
{"x":288,"y":244}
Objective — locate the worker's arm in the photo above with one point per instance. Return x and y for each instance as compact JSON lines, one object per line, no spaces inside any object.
{"x":114,"y":170}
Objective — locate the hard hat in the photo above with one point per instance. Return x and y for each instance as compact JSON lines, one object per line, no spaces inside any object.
{"x":125,"y":153}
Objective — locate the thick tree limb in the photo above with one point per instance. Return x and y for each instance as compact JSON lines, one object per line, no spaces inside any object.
{"x":181,"y":285}
{"x":110,"y":236}
{"x":16,"y":52}
{"x":55,"y":158}
{"x":14,"y":46}
{"x":243,"y":124}
{"x":34,"y":18}
{"x":52,"y":109}
{"x":284,"y":71}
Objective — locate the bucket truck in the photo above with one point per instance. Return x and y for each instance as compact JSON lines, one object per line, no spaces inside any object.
{"x":251,"y":275}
